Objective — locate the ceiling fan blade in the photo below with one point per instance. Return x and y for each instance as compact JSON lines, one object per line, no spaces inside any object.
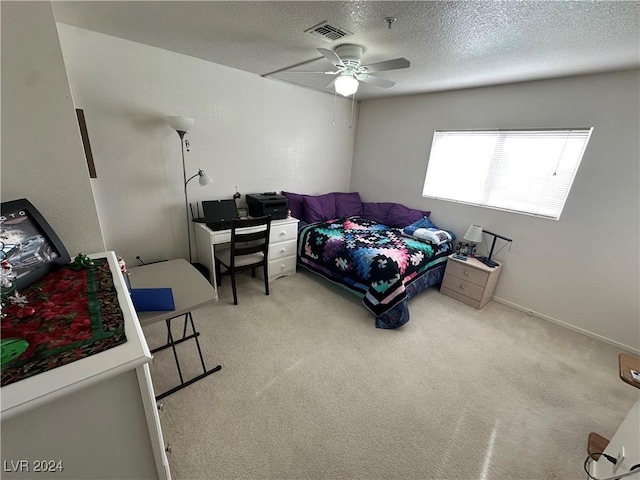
{"x":331,"y":56}
{"x":394,"y":64}
{"x":306,"y":71}
{"x":380,"y":82}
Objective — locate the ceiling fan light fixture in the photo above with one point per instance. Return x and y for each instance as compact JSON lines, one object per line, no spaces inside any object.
{"x":346,"y":85}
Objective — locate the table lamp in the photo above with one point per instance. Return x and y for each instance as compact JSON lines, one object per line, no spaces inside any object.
{"x":474,"y":234}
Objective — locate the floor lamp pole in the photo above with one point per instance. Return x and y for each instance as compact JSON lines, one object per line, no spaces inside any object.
{"x":186,"y":201}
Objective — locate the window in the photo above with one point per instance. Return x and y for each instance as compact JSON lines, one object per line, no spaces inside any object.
{"x":522,"y":171}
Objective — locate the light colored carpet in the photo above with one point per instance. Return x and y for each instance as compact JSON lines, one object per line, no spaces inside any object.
{"x":310,"y":389}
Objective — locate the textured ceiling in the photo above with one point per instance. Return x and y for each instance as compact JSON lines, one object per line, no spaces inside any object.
{"x":451,"y":44}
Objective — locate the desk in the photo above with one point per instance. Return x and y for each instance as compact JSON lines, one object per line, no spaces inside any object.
{"x":190,"y":291}
{"x":282,"y":247}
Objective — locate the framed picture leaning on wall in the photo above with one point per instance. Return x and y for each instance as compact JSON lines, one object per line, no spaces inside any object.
{"x":28,"y":242}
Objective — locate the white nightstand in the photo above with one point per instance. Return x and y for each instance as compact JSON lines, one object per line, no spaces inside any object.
{"x":470,"y":281}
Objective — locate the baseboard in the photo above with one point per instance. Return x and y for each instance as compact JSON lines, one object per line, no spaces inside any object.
{"x":567,"y":325}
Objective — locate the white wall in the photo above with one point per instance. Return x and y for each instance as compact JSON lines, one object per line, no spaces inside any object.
{"x":265,"y":135}
{"x":256,"y":133}
{"x":42,"y":155}
{"x":582,"y":270}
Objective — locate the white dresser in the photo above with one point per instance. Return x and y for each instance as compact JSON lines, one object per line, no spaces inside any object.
{"x":282,"y":247}
{"x":92,"y":418}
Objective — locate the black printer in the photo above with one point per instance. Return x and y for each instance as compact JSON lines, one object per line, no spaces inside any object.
{"x":270,"y":203}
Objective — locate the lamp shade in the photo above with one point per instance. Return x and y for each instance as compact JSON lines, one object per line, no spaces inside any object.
{"x":204,"y":178}
{"x":474,"y":234}
{"x":180,"y":124}
{"x":346,"y":85}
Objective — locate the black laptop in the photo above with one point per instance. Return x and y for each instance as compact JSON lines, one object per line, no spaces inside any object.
{"x":219,"y":214}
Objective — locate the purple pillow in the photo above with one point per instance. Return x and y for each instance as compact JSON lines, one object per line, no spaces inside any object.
{"x":319,"y":208}
{"x":296,"y":204}
{"x":400,"y":216}
{"x":347,"y":204}
{"x":377,"y":212}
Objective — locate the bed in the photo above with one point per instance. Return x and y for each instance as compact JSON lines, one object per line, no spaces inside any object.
{"x":379,"y":263}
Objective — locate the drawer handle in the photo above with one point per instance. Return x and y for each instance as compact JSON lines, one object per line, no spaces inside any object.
{"x":283,"y":233}
{"x":461,"y":286}
{"x":282,"y":267}
{"x":282,"y":250}
{"x":466,"y":272}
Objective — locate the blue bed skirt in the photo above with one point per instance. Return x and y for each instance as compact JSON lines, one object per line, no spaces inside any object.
{"x":399,"y":315}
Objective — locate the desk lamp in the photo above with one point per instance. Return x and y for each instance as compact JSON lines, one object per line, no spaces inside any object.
{"x":487,"y":260}
{"x":182,"y":125}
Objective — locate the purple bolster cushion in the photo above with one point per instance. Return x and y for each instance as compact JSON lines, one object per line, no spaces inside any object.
{"x":347,"y":204}
{"x":377,"y":212}
{"x":319,"y":208}
{"x":400,"y":216}
{"x":296,"y":204}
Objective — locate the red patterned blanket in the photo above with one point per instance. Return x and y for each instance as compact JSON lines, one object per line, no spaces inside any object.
{"x":71,"y":314}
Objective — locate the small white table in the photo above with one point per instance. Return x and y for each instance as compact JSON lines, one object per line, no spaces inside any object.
{"x":190,"y":291}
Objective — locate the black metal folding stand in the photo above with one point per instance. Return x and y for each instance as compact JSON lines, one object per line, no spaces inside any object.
{"x":171,"y":343}
{"x":190,"y":291}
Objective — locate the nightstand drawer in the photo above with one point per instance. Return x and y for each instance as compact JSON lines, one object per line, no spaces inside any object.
{"x":465,"y":272}
{"x":462,"y":287}
{"x":461,"y":298}
{"x":282,"y":249}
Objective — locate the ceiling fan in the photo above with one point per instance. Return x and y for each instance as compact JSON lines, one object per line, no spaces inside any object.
{"x":347,"y":59}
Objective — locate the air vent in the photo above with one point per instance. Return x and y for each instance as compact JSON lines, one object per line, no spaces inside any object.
{"x":328,"y":32}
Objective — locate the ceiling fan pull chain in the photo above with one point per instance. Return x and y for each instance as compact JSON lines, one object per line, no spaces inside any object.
{"x":353,"y":102}
{"x":335,"y":96}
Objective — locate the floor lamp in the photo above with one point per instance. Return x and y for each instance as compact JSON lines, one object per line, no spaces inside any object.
{"x":182,"y":125}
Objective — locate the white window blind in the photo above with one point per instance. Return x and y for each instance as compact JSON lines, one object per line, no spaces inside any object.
{"x":523,"y":171}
